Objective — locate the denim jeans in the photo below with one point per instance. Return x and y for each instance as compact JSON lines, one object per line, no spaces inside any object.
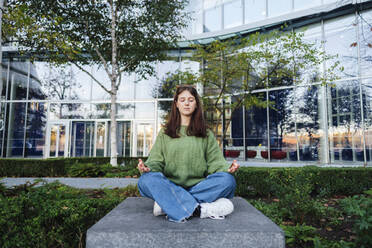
{"x":179,"y":203}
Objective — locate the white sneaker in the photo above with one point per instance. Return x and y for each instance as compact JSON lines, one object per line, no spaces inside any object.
{"x":217,"y":209}
{"x":157,"y":209}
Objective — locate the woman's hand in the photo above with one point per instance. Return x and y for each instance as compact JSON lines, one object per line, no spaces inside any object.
{"x":142,"y":167}
{"x":234,"y":167}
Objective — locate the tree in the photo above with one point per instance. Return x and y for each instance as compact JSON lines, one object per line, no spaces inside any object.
{"x":60,"y":84}
{"x":239,"y":66}
{"x":122,"y":36}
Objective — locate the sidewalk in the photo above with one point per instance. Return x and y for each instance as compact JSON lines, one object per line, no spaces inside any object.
{"x":81,"y":183}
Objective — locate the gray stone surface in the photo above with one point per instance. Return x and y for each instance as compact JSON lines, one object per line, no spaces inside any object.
{"x":132,"y":224}
{"x":81,"y":183}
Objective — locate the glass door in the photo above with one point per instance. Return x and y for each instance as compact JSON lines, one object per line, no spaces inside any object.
{"x":82,"y":139}
{"x":143,"y":139}
{"x":57,"y":140}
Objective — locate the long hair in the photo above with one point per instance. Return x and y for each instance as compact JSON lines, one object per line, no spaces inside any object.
{"x":197,"y":126}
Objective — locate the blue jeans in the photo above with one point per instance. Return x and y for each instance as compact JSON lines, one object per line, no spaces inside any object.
{"x":179,"y":203}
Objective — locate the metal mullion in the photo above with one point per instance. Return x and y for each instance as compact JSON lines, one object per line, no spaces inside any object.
{"x":327,"y":119}
{"x":26,"y":109}
{"x":360,"y":93}
{"x":5,"y":107}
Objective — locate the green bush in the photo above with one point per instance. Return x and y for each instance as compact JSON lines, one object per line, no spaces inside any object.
{"x":265,"y":182}
{"x":360,"y":207}
{"x":54,"y":215}
{"x":54,"y":167}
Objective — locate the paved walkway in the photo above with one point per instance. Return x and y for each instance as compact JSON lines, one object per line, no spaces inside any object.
{"x":81,"y":183}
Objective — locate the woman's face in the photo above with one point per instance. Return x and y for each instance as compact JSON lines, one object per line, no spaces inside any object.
{"x":186,"y":103}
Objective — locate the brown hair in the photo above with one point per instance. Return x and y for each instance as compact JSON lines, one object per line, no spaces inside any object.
{"x":197,"y":126}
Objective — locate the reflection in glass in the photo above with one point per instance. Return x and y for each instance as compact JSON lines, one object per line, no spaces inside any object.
{"x":124,"y":141}
{"x":213,"y":19}
{"x":53,"y":141}
{"x":276,"y":7}
{"x":233,"y":14}
{"x":345,"y":130}
{"x":15,"y":127}
{"x":255,"y":10}
{"x":63,"y":82}
{"x":365,"y":37}
{"x":58,"y":140}
{"x":35,"y":129}
{"x":367,"y":108}
{"x":255,"y":129}
{"x":82,"y":143}
{"x":71,"y":111}
{"x":283,"y":143}
{"x":309,"y":122}
{"x":144,"y":138}
{"x":144,"y":110}
{"x":125,"y":111}
{"x":164,"y":108}
{"x":18,"y":81}
{"x":100,"y":139}
{"x":341,"y":41}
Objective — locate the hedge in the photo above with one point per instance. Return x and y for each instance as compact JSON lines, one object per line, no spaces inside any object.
{"x":52,"y":167}
{"x":327,"y":181}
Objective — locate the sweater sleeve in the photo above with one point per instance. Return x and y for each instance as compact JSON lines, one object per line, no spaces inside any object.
{"x":156,"y":160}
{"x":215,"y":160}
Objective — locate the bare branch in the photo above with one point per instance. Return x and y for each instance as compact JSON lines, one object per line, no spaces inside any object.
{"x":90,"y":75}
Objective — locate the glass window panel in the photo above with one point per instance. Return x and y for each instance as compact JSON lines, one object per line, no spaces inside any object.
{"x":144,"y":110}
{"x":82,"y":138}
{"x":211,"y":3}
{"x":195,"y":8}
{"x":341,"y":41}
{"x":100,"y":139}
{"x":255,"y":10}
{"x":256,"y":130}
{"x":35,"y":129}
{"x":98,"y":93}
{"x":125,"y":111}
{"x":100,"y":111}
{"x":64,"y":82}
{"x":233,"y":14}
{"x":164,"y":108}
{"x":304,"y":4}
{"x":345,"y":132}
{"x":124,"y":141}
{"x":365,"y":37}
{"x":309,"y":124}
{"x":283,"y":142}
{"x":367,"y":108}
{"x":126,"y":87}
{"x":312,"y":35}
{"x":18,"y":80}
{"x":276,"y":7}
{"x":72,"y":111}
{"x":3,"y":80}
{"x":15,"y":127}
{"x":213,"y":19}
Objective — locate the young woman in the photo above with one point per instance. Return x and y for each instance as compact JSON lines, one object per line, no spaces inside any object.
{"x":186,"y":173}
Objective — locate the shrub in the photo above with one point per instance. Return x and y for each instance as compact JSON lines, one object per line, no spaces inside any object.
{"x":53,"y":215}
{"x":54,"y":167}
{"x":360,"y":207}
{"x":261,"y":182}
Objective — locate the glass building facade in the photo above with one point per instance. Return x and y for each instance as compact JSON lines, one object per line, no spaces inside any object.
{"x":47,"y":111}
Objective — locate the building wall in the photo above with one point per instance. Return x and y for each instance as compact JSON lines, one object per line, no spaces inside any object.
{"x":320,"y":123}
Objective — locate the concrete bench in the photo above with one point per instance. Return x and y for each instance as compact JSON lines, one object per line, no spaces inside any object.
{"x":132,"y":224}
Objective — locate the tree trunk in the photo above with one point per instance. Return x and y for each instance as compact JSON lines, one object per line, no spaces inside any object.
{"x":113,"y":136}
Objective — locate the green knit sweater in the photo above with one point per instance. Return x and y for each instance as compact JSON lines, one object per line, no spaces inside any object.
{"x":186,"y":160}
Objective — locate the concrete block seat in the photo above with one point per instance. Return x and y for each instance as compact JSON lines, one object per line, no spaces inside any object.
{"x":132,"y":224}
